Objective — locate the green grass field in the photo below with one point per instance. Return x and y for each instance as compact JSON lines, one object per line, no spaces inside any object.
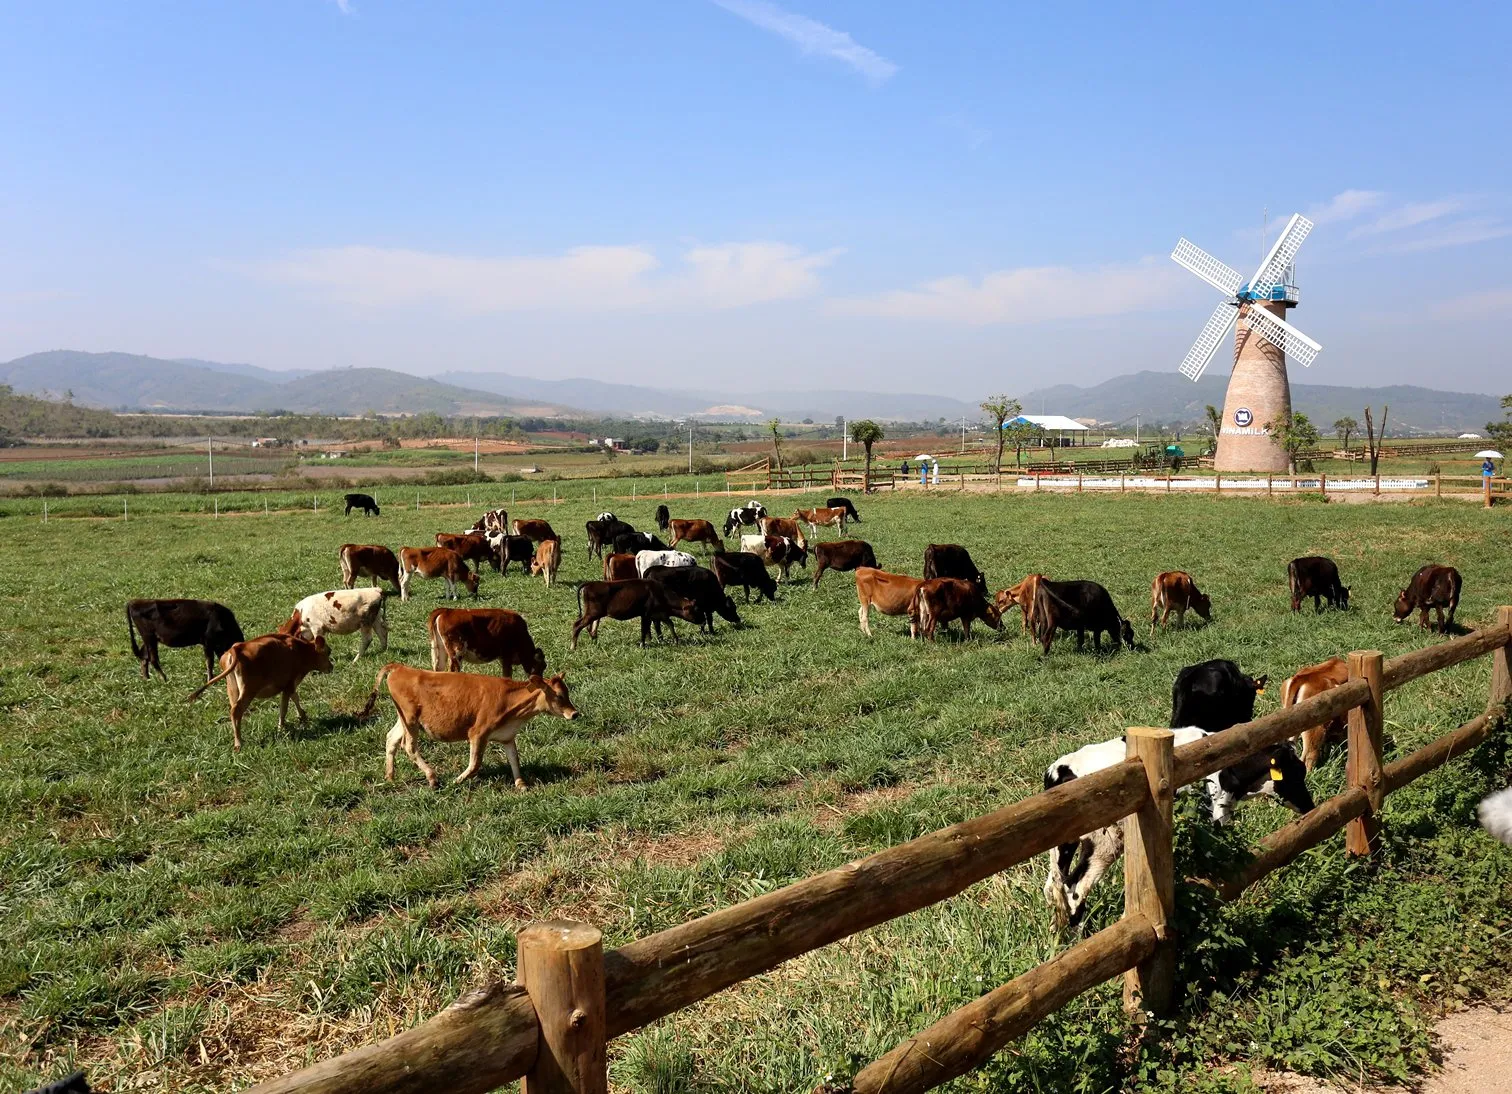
{"x":177,"y":915}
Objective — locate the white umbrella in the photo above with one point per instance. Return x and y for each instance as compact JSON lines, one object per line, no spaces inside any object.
{"x":926,"y":456}
{"x":1489,"y":454}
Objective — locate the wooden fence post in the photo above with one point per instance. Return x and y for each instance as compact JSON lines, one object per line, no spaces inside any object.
{"x":1487,"y":480}
{"x":562,"y":969}
{"x":1168,"y":480}
{"x":1079,"y":487}
{"x":1438,"y":484}
{"x":1363,"y":768}
{"x":1323,"y":482}
{"x":1501,"y":661}
{"x":1149,"y":872}
{"x":1378,"y":483}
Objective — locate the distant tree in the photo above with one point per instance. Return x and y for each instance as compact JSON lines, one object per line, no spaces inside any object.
{"x":1215,"y":423}
{"x":1020,"y":435}
{"x":840,"y":422}
{"x":808,"y":421}
{"x":1343,"y":428}
{"x":1374,"y":439}
{"x":1295,"y":434}
{"x":1501,"y":432}
{"x":866,"y":433}
{"x":1000,"y":409}
{"x":775,"y":427}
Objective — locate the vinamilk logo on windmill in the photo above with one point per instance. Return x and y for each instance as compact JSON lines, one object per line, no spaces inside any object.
{"x":1259,"y":395}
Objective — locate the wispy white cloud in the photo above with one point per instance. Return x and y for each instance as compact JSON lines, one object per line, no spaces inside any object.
{"x":1409,"y":216}
{"x":584,"y":279}
{"x":344,"y":6}
{"x":812,"y":37}
{"x":1026,"y":294}
{"x":974,"y":135}
{"x":1460,"y":233}
{"x":1346,"y":205}
{"x":1486,"y":304}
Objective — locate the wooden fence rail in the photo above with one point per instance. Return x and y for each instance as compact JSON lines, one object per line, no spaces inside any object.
{"x":551,"y":1029}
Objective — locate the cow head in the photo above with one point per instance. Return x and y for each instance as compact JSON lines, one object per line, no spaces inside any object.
{"x":1202,"y":604}
{"x":1403,"y":607}
{"x":727,"y":610}
{"x":684,"y":608}
{"x":470,"y":579}
{"x":1343,"y":596}
{"x":992,"y":616}
{"x":1126,"y":632}
{"x":537,"y":663}
{"x":322,"y":659}
{"x":554,"y":692}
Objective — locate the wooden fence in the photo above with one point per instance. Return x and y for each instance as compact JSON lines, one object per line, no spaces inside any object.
{"x":551,"y":1027}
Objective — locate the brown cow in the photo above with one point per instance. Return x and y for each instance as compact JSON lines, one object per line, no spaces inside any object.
{"x":548,"y":560}
{"x":814,"y":518}
{"x":367,"y":560}
{"x":260,"y":668}
{"x":890,"y":594}
{"x":650,"y":601}
{"x":1309,"y":683}
{"x":472,"y":546}
{"x":435,"y":562}
{"x":1175,"y":591}
{"x":1022,"y":595}
{"x":695,"y":531}
{"x":942,"y":599}
{"x":453,"y":706}
{"x":482,"y":635}
{"x":842,"y":555}
{"x":537,"y":530}
{"x":782,"y":526}
{"x":1436,"y":587}
{"x":620,"y":568}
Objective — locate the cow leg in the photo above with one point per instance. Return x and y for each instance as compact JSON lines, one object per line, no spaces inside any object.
{"x":1106,"y":846}
{"x":476,"y":746}
{"x":380,"y":627}
{"x":1154,"y":615}
{"x":671,"y":626}
{"x":818,"y":570}
{"x":209,"y":665}
{"x":1317,"y":603}
{"x":865,"y":621}
{"x":240,"y":702}
{"x":283,"y":708}
{"x":645,"y":629}
{"x":513,"y":753}
{"x":152,"y":654}
{"x":577,"y":629}
{"x":304,"y":719}
{"x":404,"y":576}
{"x":362,"y":642}
{"x":1181,"y":617}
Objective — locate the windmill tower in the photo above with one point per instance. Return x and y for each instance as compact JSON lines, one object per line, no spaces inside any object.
{"x":1259,"y":395}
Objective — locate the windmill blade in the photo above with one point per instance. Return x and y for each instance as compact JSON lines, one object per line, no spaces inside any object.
{"x":1224,"y":278}
{"x":1214,"y":331}
{"x":1281,"y":256}
{"x":1281,"y":334}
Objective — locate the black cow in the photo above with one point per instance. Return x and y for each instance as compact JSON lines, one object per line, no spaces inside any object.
{"x":519,"y":549}
{"x":744,"y":569}
{"x":177,"y":623}
{"x":700,"y":586}
{"x":843,"y":555}
{"x":839,"y":501}
{"x":649,"y":601}
{"x":952,"y":560}
{"x":1079,"y":606}
{"x":663,"y":520}
{"x":629,"y":543}
{"x":1318,"y":578}
{"x":603,"y":532}
{"x":1214,"y":695}
{"x":364,"y":502}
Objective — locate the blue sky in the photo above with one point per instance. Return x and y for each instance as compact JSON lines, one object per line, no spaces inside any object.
{"x":732,"y":193}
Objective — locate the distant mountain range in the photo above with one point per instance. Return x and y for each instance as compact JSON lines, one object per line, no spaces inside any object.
{"x":123,"y":381}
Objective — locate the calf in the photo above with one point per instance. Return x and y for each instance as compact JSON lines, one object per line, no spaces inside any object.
{"x":747,"y":514}
{"x":942,"y":599}
{"x":663,"y":518}
{"x":952,"y":560}
{"x":472,"y":546}
{"x":842,"y":502}
{"x":364,"y":502}
{"x":344,"y":611}
{"x":1436,"y":587}
{"x":179,"y":623}
{"x":432,"y":562}
{"x":452,"y":706}
{"x":1175,"y":591}
{"x":261,"y":668}
{"x":1021,"y":595}
{"x":547,"y":561}
{"x":695,"y":531}
{"x":890,"y":594}
{"x":1079,"y":606}
{"x":370,"y":560}
{"x":1309,"y":683}
{"x":779,"y":551}
{"x":628,"y":543}
{"x":1318,"y":578}
{"x":843,"y":555}
{"x":509,"y":549}
{"x":649,"y":601}
{"x":537,"y":530}
{"x":495,"y":522}
{"x":481,"y":635}
{"x":1214,"y":695}
{"x":644,"y":560}
{"x":1273,"y":772}
{"x":815,"y":518}
{"x":781,"y":526}
{"x":740,"y":568}
{"x":619,"y":567}
{"x":602,"y":532}
{"x":700,"y":586}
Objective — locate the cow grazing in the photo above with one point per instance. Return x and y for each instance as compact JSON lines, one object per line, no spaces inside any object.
{"x":1021,"y":595}
{"x":547,"y":561}
{"x":619,"y":567}
{"x":942,"y":599}
{"x":509,"y":549}
{"x":817,"y":518}
{"x":179,"y":623}
{"x":537,"y":530}
{"x":743,"y":569}
{"x":472,"y":546}
{"x":1436,"y":587}
{"x":495,"y":522}
{"x":663,"y":518}
{"x":453,"y":706}
{"x":695,"y":531}
{"x":781,"y":526}
{"x":364,"y":502}
{"x":700,"y":586}
{"x":744,"y":515}
{"x":261,"y":668}
{"x":1080,"y":606}
{"x":483,"y":635}
{"x":1175,"y":591}
{"x":1308,"y":683}
{"x":779,"y":551}
{"x":1076,"y":867}
{"x":648,"y":601}
{"x":628,"y":543}
{"x":1214,"y":695}
{"x":840,"y":501}
{"x":843,"y":555}
{"x":644,"y":560}
{"x":1318,"y":578}
{"x":369,"y":560}
{"x":952,"y":560}
{"x":602,"y":533}
{"x":344,"y":611}
{"x":433,"y":562}
{"x":890,"y":594}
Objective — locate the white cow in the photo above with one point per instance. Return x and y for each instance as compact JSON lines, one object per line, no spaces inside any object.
{"x":345,"y":611}
{"x":644,"y":560}
{"x":781,"y":552}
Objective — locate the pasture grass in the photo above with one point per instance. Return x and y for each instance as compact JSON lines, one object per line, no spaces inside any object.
{"x":177,"y":914}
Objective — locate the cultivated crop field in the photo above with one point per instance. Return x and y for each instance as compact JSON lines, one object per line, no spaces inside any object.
{"x":176,"y":916}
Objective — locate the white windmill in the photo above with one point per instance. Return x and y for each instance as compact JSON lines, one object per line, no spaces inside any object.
{"x":1258,"y":393}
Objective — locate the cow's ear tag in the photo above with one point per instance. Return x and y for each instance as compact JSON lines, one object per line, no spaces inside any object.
{"x":1275,"y":774}
{"x":1260,"y":691}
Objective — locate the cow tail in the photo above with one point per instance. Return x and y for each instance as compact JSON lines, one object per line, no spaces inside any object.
{"x":1289,"y":693}
{"x":367,"y":711}
{"x":136,"y":651}
{"x":438,"y":648}
{"x":233,"y":663}
{"x":346,"y":567}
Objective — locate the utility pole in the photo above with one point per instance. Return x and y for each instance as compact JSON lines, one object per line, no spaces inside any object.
{"x":475,"y":453}
{"x":690,"y":446}
{"x":844,"y":440}
{"x":963,"y":434}
{"x":1136,"y":429}
{"x":210,"y":451}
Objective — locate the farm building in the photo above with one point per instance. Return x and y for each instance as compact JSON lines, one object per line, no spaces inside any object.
{"x":1057,"y":428}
